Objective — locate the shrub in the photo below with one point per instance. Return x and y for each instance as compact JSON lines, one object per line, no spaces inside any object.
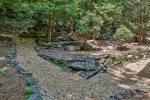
{"x":90,"y":22}
{"x":124,"y":34}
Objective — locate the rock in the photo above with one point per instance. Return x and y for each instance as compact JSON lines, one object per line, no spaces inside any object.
{"x":108,"y":61}
{"x":111,"y":47}
{"x":119,"y":97}
{"x":112,"y":98}
{"x":116,"y":63}
{"x":45,"y":55}
{"x":106,"y":56}
{"x":92,"y":45}
{"x":128,"y":93}
{"x":13,"y":62}
{"x":144,"y":57}
{"x":43,"y":47}
{"x":129,"y":56}
{"x":88,"y":74}
{"x":137,"y":57}
{"x":59,"y":46}
{"x":102,"y":60}
{"x":83,"y":64}
{"x":31,"y":80}
{"x":36,"y":95}
{"x":70,"y":48}
{"x":104,"y":51}
{"x":104,"y":69}
{"x":145,"y":72}
{"x":141,"y":89}
{"x":19,"y":69}
{"x":123,"y":95}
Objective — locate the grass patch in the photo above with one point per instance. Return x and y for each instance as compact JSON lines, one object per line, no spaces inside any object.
{"x":27,"y":97}
{"x":63,"y":66}
{"x":30,"y":89}
{"x":4,"y":72}
{"x":2,"y":82}
{"x":1,"y":94}
{"x":24,"y":74}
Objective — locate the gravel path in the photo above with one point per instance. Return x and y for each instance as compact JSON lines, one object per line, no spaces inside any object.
{"x":58,"y":85}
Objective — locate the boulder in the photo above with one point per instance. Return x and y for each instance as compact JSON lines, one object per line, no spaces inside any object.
{"x":86,"y":64}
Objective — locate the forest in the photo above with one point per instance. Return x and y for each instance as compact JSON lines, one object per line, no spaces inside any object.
{"x":74,"y":49}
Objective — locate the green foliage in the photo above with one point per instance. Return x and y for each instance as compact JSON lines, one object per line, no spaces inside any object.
{"x":123,"y":33}
{"x":16,"y":12}
{"x":30,"y":89}
{"x":30,"y":17}
{"x":136,"y":14}
{"x":62,"y":65}
{"x":90,"y":22}
{"x":68,"y":7}
{"x":3,"y":72}
{"x":2,"y":82}
{"x":27,"y":97}
{"x":1,"y":94}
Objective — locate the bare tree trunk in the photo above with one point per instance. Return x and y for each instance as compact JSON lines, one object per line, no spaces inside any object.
{"x":94,"y":35}
{"x":142,"y":35}
{"x":50,"y":28}
{"x":71,"y":26}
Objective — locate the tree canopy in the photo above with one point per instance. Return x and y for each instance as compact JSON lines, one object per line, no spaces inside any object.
{"x":80,"y":16}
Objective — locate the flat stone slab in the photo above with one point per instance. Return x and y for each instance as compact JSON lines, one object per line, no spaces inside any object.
{"x":83,"y":64}
{"x":56,"y":55}
{"x":145,"y":72}
{"x":89,"y":74}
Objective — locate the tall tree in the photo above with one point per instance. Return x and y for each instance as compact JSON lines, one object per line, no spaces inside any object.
{"x":66,"y":8}
{"x":136,"y":15}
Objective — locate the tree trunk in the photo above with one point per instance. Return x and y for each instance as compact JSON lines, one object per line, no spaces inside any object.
{"x":71,"y":26}
{"x":142,"y":33}
{"x":94,"y":35}
{"x":50,"y":28}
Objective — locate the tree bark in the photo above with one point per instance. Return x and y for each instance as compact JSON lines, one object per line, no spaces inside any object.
{"x":71,"y":26}
{"x":141,"y":34}
{"x":50,"y":28}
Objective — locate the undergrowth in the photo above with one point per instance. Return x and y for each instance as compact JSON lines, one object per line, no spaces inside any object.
{"x":63,"y":66}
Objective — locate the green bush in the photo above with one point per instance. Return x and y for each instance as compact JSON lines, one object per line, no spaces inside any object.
{"x":91,"y":22}
{"x":123,"y":33}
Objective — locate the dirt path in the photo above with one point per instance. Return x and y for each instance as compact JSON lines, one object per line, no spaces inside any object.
{"x":60,"y":85}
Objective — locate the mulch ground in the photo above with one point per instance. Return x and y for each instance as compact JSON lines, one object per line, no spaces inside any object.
{"x":11,"y":84}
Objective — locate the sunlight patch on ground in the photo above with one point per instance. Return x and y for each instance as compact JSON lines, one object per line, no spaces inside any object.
{"x":125,"y":86}
{"x":137,"y":66}
{"x":2,"y":58}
